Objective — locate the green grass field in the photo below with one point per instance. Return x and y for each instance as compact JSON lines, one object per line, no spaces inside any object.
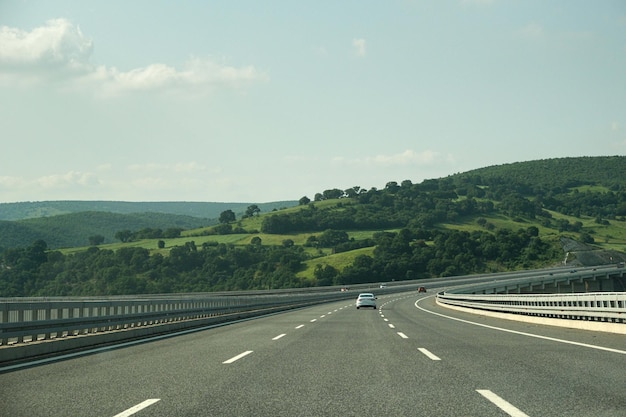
{"x":611,"y":236}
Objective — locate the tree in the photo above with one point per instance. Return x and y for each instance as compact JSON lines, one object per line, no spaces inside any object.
{"x":161,"y":244}
{"x":332,"y":194}
{"x":96,"y":240}
{"x":223,"y":229}
{"x":352,"y":192}
{"x":325,"y":274}
{"x":227,"y":216}
{"x":304,"y":201}
{"x":172,"y":232}
{"x":252,"y":210}
{"x":124,"y":235}
{"x":330,"y":238}
{"x":256,"y":241}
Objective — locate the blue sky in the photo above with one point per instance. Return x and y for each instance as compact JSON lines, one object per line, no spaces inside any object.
{"x":249,"y":101}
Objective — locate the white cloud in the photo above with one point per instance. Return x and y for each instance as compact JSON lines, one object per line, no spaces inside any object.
{"x":408,"y":157}
{"x":47,"y":186}
{"x":198,"y":73}
{"x":68,"y":179}
{"x":359,"y":46}
{"x":10,"y":182}
{"x":59,"y":51}
{"x":614,"y":127}
{"x":57,"y":44}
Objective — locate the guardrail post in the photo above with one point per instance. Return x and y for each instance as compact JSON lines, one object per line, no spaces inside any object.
{"x":4,"y":318}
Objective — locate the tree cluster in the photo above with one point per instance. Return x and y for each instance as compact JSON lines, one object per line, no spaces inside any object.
{"x":34,"y":271}
{"x":147,"y":233}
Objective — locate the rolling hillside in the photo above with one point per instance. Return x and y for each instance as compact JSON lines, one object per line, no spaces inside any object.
{"x":63,"y":224}
{"x":36,"y":209}
{"x":507,"y":217}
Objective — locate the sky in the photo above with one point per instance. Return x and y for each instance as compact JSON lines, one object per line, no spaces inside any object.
{"x":261,"y":101}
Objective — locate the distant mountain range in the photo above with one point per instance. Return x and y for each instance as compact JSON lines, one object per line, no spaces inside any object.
{"x":63,"y":224}
{"x":35,"y":209}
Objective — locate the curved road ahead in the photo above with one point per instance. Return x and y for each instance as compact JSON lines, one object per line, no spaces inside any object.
{"x":409,"y":358}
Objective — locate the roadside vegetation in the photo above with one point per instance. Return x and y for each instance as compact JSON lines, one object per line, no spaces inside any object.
{"x":507,"y":217}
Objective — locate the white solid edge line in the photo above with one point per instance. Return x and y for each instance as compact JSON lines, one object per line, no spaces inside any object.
{"x":538,"y":336}
{"x":279,"y":336}
{"x":501,"y":403}
{"x":429,"y":354}
{"x":236,"y":358}
{"x":138,"y":407}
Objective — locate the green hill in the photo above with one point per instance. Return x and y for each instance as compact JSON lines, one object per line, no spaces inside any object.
{"x":515,"y":216}
{"x":36,"y":209}
{"x":69,"y":230}
{"x":63,"y":224}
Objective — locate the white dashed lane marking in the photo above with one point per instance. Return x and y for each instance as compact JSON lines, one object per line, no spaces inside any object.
{"x":501,"y":404}
{"x":137,"y":408}
{"x":429,"y":354}
{"x":236,"y":358}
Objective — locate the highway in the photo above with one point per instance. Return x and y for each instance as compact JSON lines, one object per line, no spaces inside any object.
{"x":409,"y":357}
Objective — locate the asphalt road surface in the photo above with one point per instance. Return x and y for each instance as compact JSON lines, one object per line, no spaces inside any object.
{"x":409,"y":357}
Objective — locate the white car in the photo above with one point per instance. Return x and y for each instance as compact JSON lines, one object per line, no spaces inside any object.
{"x":366,"y":299}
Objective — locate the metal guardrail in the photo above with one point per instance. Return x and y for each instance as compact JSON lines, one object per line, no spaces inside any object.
{"x":32,"y":320}
{"x":605,"y":307}
{"x":530,"y":295}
